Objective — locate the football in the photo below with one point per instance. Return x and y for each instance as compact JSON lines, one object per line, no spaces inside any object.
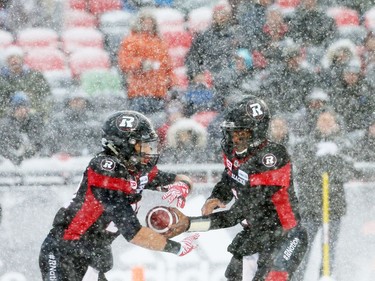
{"x":159,"y":218}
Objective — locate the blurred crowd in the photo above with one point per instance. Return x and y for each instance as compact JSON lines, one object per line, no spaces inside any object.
{"x":182,"y":63}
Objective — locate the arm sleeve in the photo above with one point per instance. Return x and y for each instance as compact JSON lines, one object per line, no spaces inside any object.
{"x":117,"y":206}
{"x":222,"y":190}
{"x":160,"y":179}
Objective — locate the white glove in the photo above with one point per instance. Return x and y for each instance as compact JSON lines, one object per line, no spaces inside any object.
{"x":188,"y":244}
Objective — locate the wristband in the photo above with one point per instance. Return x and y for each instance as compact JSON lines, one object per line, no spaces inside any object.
{"x":199,"y":224}
{"x":172,"y":247}
{"x":187,"y":183}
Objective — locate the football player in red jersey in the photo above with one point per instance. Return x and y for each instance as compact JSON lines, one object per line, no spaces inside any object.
{"x":106,"y":203}
{"x":258,"y":176}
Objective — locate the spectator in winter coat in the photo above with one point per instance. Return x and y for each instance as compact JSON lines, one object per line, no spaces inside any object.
{"x":352,"y":97}
{"x":144,"y":60}
{"x":337,"y":56}
{"x":20,"y":130}
{"x":303,"y":122}
{"x":186,"y":143}
{"x":240,"y":75}
{"x":251,"y":17}
{"x":213,"y":49}
{"x":322,"y":151}
{"x":73,"y":131}
{"x":268,"y":40}
{"x":297,"y":81}
{"x":31,"y":82}
{"x":319,"y":31}
{"x":364,"y":150}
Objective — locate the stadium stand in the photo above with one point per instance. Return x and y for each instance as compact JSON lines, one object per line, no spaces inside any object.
{"x":81,"y":37}
{"x":85,"y":59}
{"x":36,"y":37}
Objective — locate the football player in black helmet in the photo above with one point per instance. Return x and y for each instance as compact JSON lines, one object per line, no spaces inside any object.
{"x":132,"y":138}
{"x":258,"y":177}
{"x":106,"y":203}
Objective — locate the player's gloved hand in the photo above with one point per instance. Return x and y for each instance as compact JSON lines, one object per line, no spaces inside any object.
{"x":182,"y":225}
{"x":177,"y":190}
{"x":210,"y":205}
{"x":188,"y":244}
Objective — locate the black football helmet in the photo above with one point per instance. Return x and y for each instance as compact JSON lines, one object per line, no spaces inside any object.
{"x":250,"y":114}
{"x":122,"y":131}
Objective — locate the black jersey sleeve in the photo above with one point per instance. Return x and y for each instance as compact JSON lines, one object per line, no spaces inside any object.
{"x":225,"y":219}
{"x":222,"y":190}
{"x":159,"y":178}
{"x":117,"y":206}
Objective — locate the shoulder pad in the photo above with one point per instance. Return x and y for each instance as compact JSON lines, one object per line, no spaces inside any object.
{"x":272,"y":156}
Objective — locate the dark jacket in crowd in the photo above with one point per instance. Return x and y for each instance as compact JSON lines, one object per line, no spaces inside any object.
{"x":289,"y":95}
{"x":21,"y":139}
{"x":355,"y":103}
{"x":34,"y":84}
{"x":319,"y":31}
{"x":73,"y":131}
{"x":211,"y":50}
{"x":314,"y":156}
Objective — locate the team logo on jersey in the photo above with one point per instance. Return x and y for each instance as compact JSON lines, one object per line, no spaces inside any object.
{"x":133,"y":184}
{"x":255,"y":110}
{"x":269,"y":160}
{"x":236,"y":163}
{"x":107,"y":164}
{"x":126,"y":122}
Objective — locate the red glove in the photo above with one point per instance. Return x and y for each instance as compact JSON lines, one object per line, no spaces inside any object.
{"x":188,"y":244}
{"x":177,"y":190}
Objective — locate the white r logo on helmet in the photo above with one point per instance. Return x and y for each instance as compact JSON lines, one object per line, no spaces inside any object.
{"x":256,"y":110}
{"x":127,"y":122}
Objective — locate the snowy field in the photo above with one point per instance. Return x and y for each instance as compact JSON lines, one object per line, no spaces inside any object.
{"x":28,"y":212}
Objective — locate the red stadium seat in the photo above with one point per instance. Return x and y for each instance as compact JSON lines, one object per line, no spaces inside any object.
{"x":178,"y":56}
{"x":6,"y":39}
{"x":45,"y":59}
{"x":343,"y":16}
{"x":178,"y":38}
{"x":79,"y":18}
{"x":88,"y":59}
{"x":80,"y":37}
{"x":100,"y":6}
{"x":169,"y":18}
{"x":199,"y":19}
{"x":37,"y":37}
{"x":181,"y":78}
{"x":287,"y":4}
{"x":78,"y":4}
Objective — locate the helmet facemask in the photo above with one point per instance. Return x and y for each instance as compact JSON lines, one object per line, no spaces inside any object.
{"x":145,"y":156}
{"x":236,"y":139}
